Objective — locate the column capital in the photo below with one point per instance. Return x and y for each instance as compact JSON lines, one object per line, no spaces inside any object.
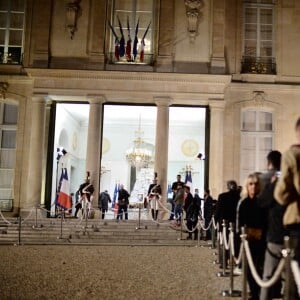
{"x":217,"y":104}
{"x":163,"y":101}
{"x":96,"y":99}
{"x":39,"y":98}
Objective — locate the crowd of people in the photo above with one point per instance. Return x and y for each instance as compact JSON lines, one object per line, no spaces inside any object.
{"x":266,"y":208}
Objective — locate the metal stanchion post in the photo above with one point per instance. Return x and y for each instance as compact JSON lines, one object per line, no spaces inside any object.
{"x":61,"y":225}
{"x":218,"y":260}
{"x":199,"y":231}
{"x":36,"y":223}
{"x":180,"y":226}
{"x":223,"y":273}
{"x":19,"y":233}
{"x":244,"y":267}
{"x":231,"y":292}
{"x":213,"y":235}
{"x":289,"y":289}
{"x":181,"y":220}
{"x":139,"y":220}
{"x":35,"y":218}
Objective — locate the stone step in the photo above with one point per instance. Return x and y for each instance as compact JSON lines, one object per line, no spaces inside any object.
{"x":74,"y":231}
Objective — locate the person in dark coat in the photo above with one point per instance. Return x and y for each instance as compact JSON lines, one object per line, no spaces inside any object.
{"x":174,"y":190}
{"x":275,"y":228}
{"x":254,"y":219}
{"x":191,"y":208}
{"x":104,"y":199}
{"x":123,"y":202}
{"x":207,"y":212}
{"x":226,"y":210}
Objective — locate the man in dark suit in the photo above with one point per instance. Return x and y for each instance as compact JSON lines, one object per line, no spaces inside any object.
{"x":226,"y":209}
{"x":174,"y":190}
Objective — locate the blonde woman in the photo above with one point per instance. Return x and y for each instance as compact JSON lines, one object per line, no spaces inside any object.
{"x":253,"y":218}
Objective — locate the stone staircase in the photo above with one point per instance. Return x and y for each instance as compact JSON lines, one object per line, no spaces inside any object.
{"x":49,"y":231}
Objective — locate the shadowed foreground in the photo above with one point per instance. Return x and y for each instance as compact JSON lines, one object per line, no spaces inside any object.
{"x":110,"y":272}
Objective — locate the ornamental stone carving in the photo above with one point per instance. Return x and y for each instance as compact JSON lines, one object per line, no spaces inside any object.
{"x":73,"y":11}
{"x":193,"y":13}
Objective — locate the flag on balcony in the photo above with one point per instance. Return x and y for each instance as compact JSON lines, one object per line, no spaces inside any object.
{"x":142,"y":52}
{"x":63,"y":198}
{"x":122,"y":39}
{"x":117,"y":42}
{"x":128,"y":45}
{"x":136,"y":40}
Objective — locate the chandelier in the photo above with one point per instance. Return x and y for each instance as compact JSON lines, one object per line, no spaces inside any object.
{"x":140,"y":155}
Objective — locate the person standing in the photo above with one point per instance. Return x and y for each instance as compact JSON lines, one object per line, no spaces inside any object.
{"x":197,"y":197}
{"x":226,"y":210}
{"x":174,"y":190}
{"x":179,"y":201}
{"x":154,"y":198}
{"x":123,"y":202}
{"x":207,"y":212}
{"x":275,"y":229}
{"x":192,"y":208}
{"x":287,"y":192}
{"x":104,"y":199}
{"x":253,"y":218}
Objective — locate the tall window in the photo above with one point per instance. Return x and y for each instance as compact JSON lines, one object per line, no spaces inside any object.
{"x":258,"y":43}
{"x":256,"y":141}
{"x":12,"y":15}
{"x":131,"y":31}
{"x":8,"y":129}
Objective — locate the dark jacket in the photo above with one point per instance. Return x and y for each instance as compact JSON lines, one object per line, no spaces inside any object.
{"x":226,"y":206}
{"x":192,"y":211}
{"x":275,"y":212}
{"x":188,"y":201}
{"x":252,"y":216}
{"x":208,"y":208}
{"x":123,"y":197}
{"x":103,"y":200}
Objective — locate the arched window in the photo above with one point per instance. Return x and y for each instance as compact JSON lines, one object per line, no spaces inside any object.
{"x":8,"y":133}
{"x":12,"y":20}
{"x":131,"y":31}
{"x":256,"y":140}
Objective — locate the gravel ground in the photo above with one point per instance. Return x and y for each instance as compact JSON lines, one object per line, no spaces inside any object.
{"x":110,"y":272}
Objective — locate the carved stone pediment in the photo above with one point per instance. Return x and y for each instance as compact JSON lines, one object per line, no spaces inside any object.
{"x":193,"y":13}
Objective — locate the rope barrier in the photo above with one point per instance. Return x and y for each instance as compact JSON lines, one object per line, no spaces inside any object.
{"x":259,"y":281}
{"x":239,"y":259}
{"x":226,"y":243}
{"x":296,"y":274}
{"x":4,"y":219}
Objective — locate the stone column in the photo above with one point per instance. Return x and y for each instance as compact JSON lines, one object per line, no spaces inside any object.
{"x":216,"y":155}
{"x":218,"y":42}
{"x":161,"y":146}
{"x":94,"y":142}
{"x":35,"y":159}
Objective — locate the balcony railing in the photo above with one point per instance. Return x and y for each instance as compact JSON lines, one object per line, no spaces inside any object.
{"x":12,"y":57}
{"x":258,"y":65}
{"x":148,"y":60}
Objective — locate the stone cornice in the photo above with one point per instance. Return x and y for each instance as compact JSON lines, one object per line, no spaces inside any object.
{"x":276,"y":88}
{"x":119,"y":75}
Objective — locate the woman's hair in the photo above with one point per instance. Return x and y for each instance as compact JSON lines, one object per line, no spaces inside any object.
{"x":251,"y":177}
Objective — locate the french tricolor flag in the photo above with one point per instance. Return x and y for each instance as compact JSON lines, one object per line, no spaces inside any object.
{"x":64,"y":198}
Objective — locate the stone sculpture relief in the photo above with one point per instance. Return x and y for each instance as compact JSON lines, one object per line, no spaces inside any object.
{"x":193,"y":13}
